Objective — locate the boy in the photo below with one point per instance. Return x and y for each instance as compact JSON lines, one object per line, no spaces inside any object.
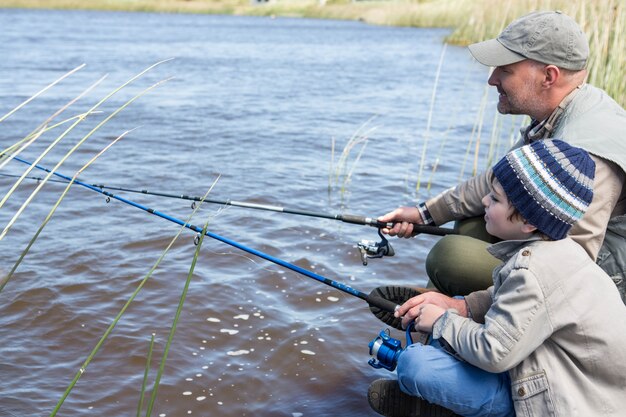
{"x":545,"y":343}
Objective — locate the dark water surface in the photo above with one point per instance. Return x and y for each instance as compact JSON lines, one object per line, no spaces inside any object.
{"x":257,"y":103}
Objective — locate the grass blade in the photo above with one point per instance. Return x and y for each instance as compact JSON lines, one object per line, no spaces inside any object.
{"x":145,"y":376}
{"x":430,"y":117}
{"x":71,"y":151}
{"x":6,"y":279}
{"x":40,"y":92}
{"x":43,"y":125}
{"x":175,"y":322}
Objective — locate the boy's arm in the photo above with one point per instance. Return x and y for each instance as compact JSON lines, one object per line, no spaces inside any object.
{"x":515,"y":326}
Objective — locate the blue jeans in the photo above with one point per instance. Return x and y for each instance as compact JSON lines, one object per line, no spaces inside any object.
{"x":431,"y":373}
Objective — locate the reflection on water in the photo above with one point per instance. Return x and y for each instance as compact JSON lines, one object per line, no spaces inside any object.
{"x":255,"y":102}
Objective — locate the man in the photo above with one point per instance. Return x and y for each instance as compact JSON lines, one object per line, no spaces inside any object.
{"x":540,"y":62}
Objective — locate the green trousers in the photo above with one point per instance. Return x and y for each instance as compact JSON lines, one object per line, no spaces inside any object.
{"x":460,"y":264}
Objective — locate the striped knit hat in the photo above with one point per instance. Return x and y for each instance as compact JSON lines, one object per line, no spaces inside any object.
{"x":549,"y":182}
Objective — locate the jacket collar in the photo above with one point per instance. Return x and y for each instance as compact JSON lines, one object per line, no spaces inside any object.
{"x":543,"y":129}
{"x":507,"y":248}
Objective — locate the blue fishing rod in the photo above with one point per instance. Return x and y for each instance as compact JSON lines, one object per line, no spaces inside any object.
{"x":370,"y":299}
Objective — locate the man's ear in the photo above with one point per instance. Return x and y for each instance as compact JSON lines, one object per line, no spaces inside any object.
{"x":528,"y":228}
{"x":551,"y":75}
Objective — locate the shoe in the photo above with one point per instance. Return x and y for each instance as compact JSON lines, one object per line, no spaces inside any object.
{"x":387,"y":399}
{"x":396,"y":294}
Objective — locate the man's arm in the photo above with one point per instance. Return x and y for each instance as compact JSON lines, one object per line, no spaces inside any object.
{"x":460,"y":202}
{"x":589,"y":231}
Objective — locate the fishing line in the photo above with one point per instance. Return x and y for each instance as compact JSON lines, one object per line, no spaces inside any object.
{"x":370,"y":299}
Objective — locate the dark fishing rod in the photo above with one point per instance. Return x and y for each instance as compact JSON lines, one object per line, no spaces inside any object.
{"x":370,"y":299}
{"x":346,"y":218}
{"x":367,"y":248}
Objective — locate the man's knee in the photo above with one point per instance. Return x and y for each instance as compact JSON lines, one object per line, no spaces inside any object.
{"x":458,"y":265}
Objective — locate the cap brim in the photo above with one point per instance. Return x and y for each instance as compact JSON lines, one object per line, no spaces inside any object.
{"x":493,"y":54}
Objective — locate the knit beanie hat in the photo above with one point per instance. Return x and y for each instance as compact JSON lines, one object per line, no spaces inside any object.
{"x":549,"y":182}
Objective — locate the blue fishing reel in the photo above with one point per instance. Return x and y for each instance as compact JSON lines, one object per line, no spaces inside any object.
{"x":386,"y":350}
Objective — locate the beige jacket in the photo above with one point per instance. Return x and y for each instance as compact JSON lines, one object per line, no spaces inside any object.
{"x":562,"y":341}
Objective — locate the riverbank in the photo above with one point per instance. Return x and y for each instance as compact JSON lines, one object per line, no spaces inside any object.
{"x":472,"y":20}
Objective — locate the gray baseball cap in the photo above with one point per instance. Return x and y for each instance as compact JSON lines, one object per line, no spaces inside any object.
{"x":549,"y":37}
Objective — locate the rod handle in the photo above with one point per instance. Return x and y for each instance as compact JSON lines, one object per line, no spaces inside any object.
{"x":433,"y":230}
{"x":351,"y":218}
{"x":382,"y":303}
{"x":418,"y":228}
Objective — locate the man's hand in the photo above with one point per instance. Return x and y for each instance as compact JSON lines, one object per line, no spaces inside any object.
{"x":411,"y":309}
{"x":403,"y":219}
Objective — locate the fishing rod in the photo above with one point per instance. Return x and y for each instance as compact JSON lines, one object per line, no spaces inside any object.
{"x":347,"y":218}
{"x":368,"y":249}
{"x":372,"y":300}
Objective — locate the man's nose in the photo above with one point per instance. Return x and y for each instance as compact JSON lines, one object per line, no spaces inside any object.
{"x":494,"y":78}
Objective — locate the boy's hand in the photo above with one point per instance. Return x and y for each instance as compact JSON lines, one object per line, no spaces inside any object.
{"x":411,"y":308}
{"x":427,"y":316}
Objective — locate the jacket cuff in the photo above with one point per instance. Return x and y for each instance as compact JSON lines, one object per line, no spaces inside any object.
{"x":440,"y":324}
{"x":438,"y":209}
{"x":478,"y":304}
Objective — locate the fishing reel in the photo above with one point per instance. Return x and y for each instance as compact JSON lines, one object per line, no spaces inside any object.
{"x":370,"y":249}
{"x":386,"y":350}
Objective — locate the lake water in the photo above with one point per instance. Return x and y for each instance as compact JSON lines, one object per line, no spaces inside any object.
{"x":253,"y":105}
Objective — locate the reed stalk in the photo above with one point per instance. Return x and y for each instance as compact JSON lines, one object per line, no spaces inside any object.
{"x":79,"y":119}
{"x":43,"y":126}
{"x":81,"y":141}
{"x":342,"y":170}
{"x":6,"y":279}
{"x":144,"y":382}
{"x":430,"y":117}
{"x":175,"y":322}
{"x":40,"y":92}
{"x":9,"y":153}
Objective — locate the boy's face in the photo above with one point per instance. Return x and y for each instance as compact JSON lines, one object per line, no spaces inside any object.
{"x":498,"y":213}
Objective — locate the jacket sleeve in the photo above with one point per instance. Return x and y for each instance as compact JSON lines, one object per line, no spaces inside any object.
{"x":608,"y":185}
{"x":517,"y":323}
{"x":462,"y":201}
{"x":478,"y":303}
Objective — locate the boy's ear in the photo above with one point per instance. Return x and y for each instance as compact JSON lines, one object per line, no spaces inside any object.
{"x":528,"y":228}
